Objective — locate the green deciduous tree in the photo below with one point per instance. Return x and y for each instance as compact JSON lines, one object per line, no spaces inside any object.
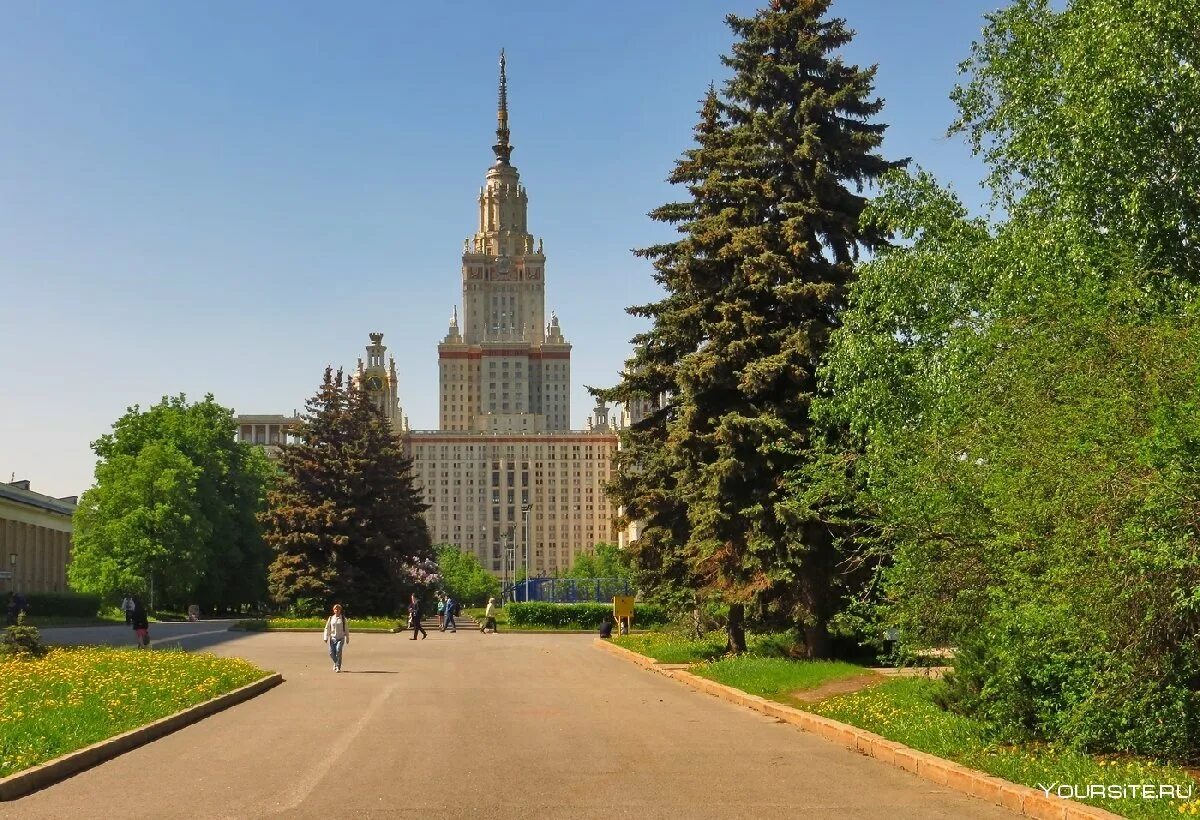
{"x":1024,"y":391}
{"x":345,"y":521}
{"x":174,"y":506}
{"x":464,"y":578}
{"x":754,"y":287}
{"x":605,"y":560}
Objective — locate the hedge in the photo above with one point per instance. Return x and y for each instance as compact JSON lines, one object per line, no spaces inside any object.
{"x":578,"y":616}
{"x":74,"y":604}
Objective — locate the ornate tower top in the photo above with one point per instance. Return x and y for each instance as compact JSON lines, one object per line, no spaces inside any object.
{"x":503,"y":148}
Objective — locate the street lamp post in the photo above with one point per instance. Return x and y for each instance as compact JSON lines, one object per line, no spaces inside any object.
{"x":525,"y":508}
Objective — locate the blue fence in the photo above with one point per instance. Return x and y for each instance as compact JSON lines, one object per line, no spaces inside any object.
{"x":567,"y":590}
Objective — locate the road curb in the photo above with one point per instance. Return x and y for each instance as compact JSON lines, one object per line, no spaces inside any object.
{"x":72,"y":763}
{"x":1022,"y":799}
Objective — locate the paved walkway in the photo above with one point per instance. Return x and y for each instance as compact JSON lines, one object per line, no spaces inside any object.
{"x":479,"y":726}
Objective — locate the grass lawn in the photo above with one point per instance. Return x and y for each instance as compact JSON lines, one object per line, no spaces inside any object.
{"x":267,"y":624}
{"x":775,"y":678}
{"x":74,"y":697}
{"x":902,"y":710}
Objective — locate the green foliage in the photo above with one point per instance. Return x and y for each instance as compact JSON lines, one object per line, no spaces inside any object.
{"x":345,"y":520}
{"x":577,"y":616}
{"x":753,"y":290}
{"x":672,"y":646}
{"x":76,"y":604}
{"x":174,"y":506}
{"x":1023,"y":395}
{"x":605,"y":560}
{"x":464,"y":578}
{"x":22,"y":641}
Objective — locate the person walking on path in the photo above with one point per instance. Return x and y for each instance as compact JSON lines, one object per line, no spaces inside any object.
{"x":489,"y":617}
{"x":141,"y":624}
{"x":127,"y":609}
{"x":441,"y":607}
{"x":448,"y":621}
{"x":337,"y":635}
{"x":414,"y":618}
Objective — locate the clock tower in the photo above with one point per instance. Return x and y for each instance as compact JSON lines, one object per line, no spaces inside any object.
{"x":381,"y":383}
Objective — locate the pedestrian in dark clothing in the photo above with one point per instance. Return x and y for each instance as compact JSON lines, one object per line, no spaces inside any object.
{"x":141,"y":624}
{"x":606,"y":627}
{"x":414,"y":618}
{"x":449,"y":621}
{"x":16,"y":605}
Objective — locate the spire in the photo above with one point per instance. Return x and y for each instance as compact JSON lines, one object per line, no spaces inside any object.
{"x":502,"y":148}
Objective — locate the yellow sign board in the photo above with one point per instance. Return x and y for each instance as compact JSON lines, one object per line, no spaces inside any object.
{"x":623,"y":607}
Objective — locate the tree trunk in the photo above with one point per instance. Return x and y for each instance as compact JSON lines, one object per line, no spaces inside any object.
{"x":737,"y":629}
{"x":816,"y":641}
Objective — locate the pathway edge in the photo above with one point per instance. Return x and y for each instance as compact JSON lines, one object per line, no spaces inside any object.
{"x":1023,"y":799}
{"x":60,"y":768}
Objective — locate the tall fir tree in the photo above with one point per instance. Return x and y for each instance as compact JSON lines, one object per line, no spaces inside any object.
{"x":345,"y":520}
{"x":754,"y":288}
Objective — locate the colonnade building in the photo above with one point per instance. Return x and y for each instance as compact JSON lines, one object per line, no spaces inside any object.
{"x":503,"y":472}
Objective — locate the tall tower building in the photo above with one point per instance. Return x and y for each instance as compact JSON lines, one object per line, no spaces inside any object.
{"x":504,"y":476}
{"x":504,"y":369}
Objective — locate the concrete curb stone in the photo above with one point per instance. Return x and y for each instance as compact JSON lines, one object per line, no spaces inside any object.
{"x":72,"y":763}
{"x":1022,"y":799}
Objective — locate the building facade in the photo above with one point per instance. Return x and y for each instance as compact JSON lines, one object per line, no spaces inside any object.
{"x":35,"y":539}
{"x":504,"y":476}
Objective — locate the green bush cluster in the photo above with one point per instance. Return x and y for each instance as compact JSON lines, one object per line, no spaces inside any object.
{"x":578,"y":616}
{"x":22,"y":641}
{"x":73,"y":604}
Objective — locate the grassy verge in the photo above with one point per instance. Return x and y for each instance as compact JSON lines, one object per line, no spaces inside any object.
{"x":903,"y":710}
{"x":775,"y":678}
{"x":359,"y":624}
{"x":73,"y":697}
{"x":671,"y":647}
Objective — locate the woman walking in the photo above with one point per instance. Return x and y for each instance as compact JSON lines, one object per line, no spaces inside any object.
{"x":141,"y":624}
{"x":414,"y":617}
{"x":441,"y":607}
{"x":337,"y":635}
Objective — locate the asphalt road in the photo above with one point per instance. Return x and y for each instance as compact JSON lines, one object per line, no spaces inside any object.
{"x":477,"y":726}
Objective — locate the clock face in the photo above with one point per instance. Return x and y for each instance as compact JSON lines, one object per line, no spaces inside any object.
{"x":374,"y":383}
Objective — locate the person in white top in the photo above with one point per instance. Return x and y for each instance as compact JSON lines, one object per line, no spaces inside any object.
{"x":127,"y":609}
{"x":489,"y":617}
{"x":337,"y":635}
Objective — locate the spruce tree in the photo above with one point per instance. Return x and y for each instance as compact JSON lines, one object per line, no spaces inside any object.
{"x":345,"y":521}
{"x":304,"y":525}
{"x":754,"y":288}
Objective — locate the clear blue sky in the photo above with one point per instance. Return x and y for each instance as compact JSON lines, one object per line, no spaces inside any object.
{"x":225,"y":196}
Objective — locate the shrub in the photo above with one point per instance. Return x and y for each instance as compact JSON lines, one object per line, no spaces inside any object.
{"x":21,"y":640}
{"x":72,"y":604}
{"x":578,"y":616}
